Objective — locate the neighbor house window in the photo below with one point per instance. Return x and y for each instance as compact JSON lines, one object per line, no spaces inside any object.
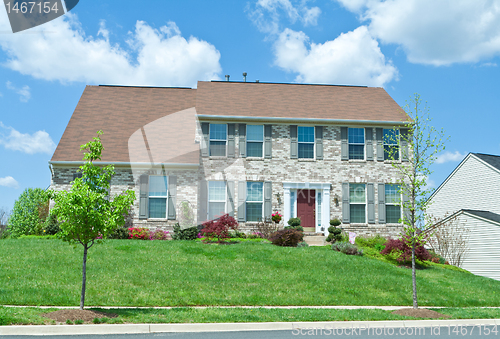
{"x":218,"y":139}
{"x":357,"y":203}
{"x":306,"y":142}
{"x":158,"y":197}
{"x":255,"y":201}
{"x":255,"y":140}
{"x":356,"y":138}
{"x":216,"y":199}
{"x":392,"y":201}
{"x":391,"y":148}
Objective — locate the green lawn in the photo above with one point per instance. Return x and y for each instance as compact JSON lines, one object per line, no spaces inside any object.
{"x":179,"y":273}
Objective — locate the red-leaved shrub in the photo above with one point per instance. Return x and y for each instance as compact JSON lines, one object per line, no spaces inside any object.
{"x":401,"y":247}
{"x":287,"y":237}
{"x":218,"y":228}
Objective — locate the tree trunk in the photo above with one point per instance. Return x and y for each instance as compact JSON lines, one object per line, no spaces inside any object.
{"x":84,"y":276}
{"x":413,"y":273}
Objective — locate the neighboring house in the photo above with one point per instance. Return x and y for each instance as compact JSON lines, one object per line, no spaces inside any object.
{"x":470,"y":194}
{"x":247,"y":149}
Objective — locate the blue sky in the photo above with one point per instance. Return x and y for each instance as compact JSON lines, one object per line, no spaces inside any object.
{"x":448,"y":51}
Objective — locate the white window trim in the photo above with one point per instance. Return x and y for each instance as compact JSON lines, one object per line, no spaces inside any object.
{"x":210,"y":139}
{"x":209,"y":201}
{"x":262,"y":202}
{"x":357,"y":144}
{"x":398,"y":143}
{"x":263,"y":140}
{"x":307,"y":142}
{"x":156,"y":196}
{"x":393,"y":204}
{"x":358,"y":203}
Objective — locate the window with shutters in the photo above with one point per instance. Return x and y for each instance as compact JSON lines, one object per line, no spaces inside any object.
{"x":392,"y":203}
{"x":255,"y":140}
{"x":356,"y":139}
{"x":158,"y":196}
{"x":391,"y":148}
{"x":255,"y":201}
{"x":357,"y":203}
{"x":216,"y":199}
{"x":306,"y":142}
{"x":218,"y":139}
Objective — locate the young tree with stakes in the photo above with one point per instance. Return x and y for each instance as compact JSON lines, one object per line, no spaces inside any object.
{"x":86,"y":212}
{"x":419,"y":142}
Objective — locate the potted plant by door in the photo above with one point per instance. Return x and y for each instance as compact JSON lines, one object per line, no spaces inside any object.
{"x":276,"y":217}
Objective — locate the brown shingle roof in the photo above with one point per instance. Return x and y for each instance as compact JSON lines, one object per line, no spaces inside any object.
{"x":296,"y":101}
{"x":119,"y":112}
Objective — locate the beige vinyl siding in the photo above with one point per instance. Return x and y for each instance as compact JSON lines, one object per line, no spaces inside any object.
{"x":474,"y":185}
{"x":483,"y":257}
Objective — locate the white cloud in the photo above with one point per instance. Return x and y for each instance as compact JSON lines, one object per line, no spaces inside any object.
{"x":266,"y":14}
{"x":24,"y":92}
{"x":488,"y":64}
{"x":353,"y":58}
{"x":434,"y":32}
{"x":9,"y":182}
{"x":38,"y":142}
{"x":448,"y":156}
{"x":63,"y":52}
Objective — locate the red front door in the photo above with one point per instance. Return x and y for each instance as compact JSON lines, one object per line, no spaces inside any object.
{"x":306,"y":205}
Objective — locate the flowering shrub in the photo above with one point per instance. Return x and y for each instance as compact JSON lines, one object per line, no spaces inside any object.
{"x":289,"y":237}
{"x":276,"y":217}
{"x":138,"y":233}
{"x":158,"y":234}
{"x":400,"y":247}
{"x":218,"y":228}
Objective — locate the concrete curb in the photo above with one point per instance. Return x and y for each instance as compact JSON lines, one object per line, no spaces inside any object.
{"x":232,"y":327}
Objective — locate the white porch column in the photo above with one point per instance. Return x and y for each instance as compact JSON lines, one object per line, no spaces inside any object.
{"x":286,"y":208}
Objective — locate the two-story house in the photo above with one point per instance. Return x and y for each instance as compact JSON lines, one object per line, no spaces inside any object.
{"x":316,"y":152}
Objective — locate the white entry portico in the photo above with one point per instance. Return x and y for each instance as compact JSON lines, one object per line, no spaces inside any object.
{"x":322,"y":219}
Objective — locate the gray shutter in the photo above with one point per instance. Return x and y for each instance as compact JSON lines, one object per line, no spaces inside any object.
{"x":346,"y":210}
{"x":294,"y":146}
{"x":404,"y":144}
{"x":242,"y":130}
{"x":230,"y":140}
{"x":344,"y":146}
{"x":202,"y":201}
{"x":369,"y":143}
{"x":319,"y":142}
{"x":406,"y":211}
{"x":268,"y":141}
{"x":381,"y":203}
{"x":371,"y":203}
{"x":172,"y":197}
{"x":242,"y":198}
{"x":268,"y":194}
{"x":380,"y":144}
{"x":143,"y":196}
{"x":230,"y":198}
{"x":205,"y":127}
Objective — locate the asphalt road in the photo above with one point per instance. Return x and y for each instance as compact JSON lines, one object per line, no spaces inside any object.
{"x":410,"y":332}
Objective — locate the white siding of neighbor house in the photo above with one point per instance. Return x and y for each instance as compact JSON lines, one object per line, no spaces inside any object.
{"x":474,"y":185}
{"x":483,"y":257}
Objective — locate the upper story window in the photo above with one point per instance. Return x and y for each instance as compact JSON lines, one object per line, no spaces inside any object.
{"x":254,"y":201}
{"x":356,"y":137}
{"x":158,"y":196}
{"x":306,"y":142}
{"x":218,"y":139}
{"x":357,"y":203}
{"x":255,"y":140}
{"x":392,"y":204}
{"x":216,"y":199}
{"x":391,"y":148}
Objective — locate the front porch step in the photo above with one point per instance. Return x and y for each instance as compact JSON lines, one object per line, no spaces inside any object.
{"x":315,"y":240}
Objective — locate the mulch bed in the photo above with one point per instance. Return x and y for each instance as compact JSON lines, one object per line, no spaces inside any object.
{"x":71,"y":314}
{"x":420,"y":313}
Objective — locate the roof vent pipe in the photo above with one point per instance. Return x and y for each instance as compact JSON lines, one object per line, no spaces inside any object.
{"x":256,"y":80}
{"x":227,"y":77}
{"x":245,"y":76}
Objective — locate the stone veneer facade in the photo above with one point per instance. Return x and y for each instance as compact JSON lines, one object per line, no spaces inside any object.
{"x":279,"y":169}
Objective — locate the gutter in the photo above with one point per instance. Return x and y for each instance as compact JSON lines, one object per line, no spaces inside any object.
{"x":302,"y":120}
